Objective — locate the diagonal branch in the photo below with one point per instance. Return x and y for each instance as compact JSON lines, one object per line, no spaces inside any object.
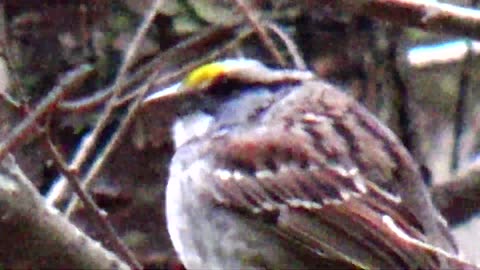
{"x":261,"y":32}
{"x":96,"y":213}
{"x":427,"y":15}
{"x":37,"y":236}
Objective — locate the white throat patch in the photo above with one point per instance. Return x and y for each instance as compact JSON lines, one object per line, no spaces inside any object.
{"x":190,"y":127}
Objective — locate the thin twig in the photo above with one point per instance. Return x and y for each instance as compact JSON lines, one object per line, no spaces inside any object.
{"x":71,"y":81}
{"x":117,"y":88}
{"x":260,"y":30}
{"x":461,"y":104}
{"x":401,"y":95}
{"x":403,"y":104}
{"x":95,"y":213}
{"x":289,"y":44}
{"x":60,"y":189}
{"x":461,"y":107}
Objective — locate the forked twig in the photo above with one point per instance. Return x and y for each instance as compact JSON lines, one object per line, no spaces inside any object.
{"x":260,"y":30}
{"x":289,"y":44}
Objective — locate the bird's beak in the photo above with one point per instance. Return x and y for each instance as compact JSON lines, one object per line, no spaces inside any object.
{"x":165,"y":93}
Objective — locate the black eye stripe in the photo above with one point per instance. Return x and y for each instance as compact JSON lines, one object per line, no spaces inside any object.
{"x":224,"y":87}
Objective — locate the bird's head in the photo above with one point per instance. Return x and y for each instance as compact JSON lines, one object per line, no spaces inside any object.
{"x":225,"y":93}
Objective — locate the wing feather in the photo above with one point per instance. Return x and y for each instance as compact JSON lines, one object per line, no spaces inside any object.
{"x":329,"y":208}
{"x":327,"y":180}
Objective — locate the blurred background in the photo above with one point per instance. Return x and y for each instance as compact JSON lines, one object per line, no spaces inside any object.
{"x":423,"y":84}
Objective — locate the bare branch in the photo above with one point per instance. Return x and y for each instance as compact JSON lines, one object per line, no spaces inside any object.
{"x":461,"y":106}
{"x":37,"y":236}
{"x":402,"y":99}
{"x":119,"y":81}
{"x":427,"y":15}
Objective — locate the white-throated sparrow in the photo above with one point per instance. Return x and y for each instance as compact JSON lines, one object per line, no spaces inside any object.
{"x":275,"y":169}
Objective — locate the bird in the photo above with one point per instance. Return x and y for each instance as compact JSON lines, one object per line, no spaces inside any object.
{"x":275,"y":168}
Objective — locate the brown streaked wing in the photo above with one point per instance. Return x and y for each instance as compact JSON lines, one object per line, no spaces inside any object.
{"x":325,"y":205}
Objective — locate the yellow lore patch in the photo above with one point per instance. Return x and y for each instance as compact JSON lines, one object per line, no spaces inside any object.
{"x":205,"y":75}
